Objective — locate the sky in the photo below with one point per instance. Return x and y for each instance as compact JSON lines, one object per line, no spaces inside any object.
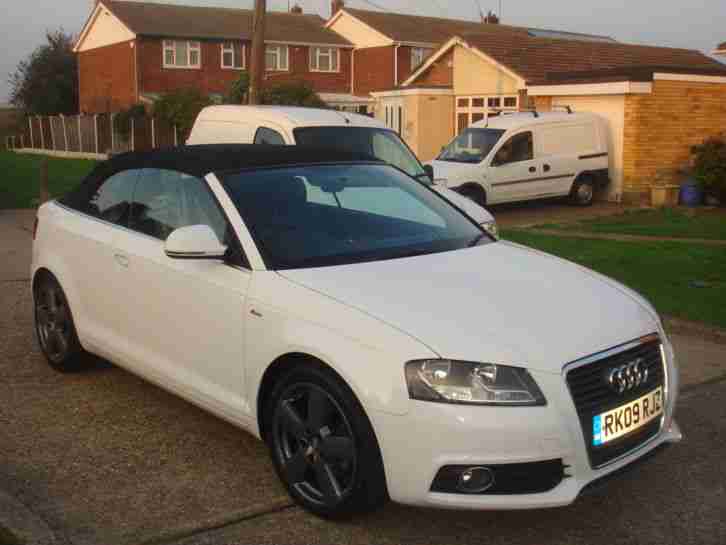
{"x":694,"y":24}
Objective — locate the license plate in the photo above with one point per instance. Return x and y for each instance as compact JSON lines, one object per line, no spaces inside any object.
{"x":622,"y":420}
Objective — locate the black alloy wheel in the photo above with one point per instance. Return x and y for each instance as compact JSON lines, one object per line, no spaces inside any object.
{"x":323,"y":446}
{"x":55,"y":328}
{"x":315,"y":443}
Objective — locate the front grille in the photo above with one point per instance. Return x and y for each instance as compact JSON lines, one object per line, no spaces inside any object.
{"x":592,"y":395}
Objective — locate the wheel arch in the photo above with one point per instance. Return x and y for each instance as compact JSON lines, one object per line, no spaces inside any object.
{"x":279,"y":368}
{"x":475,"y":187}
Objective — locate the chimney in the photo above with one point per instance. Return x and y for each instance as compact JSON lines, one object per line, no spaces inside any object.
{"x":491,"y":18}
{"x":296,"y":9}
{"x":336,"y":6}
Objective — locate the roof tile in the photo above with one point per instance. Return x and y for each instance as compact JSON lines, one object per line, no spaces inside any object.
{"x":167,"y":20}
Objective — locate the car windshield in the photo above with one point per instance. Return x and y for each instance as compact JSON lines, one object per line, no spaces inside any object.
{"x":322,"y":215}
{"x":471,"y":146}
{"x":383,"y":144}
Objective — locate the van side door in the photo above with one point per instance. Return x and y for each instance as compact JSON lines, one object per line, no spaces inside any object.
{"x":513,"y":169}
{"x":559,"y":148}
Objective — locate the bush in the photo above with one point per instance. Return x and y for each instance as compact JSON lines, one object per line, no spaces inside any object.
{"x":238,"y":90}
{"x":710,"y":167}
{"x":122,"y":119}
{"x":181,"y":108}
{"x":292,"y":94}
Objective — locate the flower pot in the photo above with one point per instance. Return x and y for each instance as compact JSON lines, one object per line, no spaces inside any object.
{"x":664,"y":195}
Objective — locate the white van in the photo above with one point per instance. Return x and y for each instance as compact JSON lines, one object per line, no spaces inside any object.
{"x":527,"y":155}
{"x":282,"y":125}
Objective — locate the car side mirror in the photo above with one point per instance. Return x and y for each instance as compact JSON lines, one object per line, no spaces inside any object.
{"x":194,"y":242}
{"x":429,"y":170}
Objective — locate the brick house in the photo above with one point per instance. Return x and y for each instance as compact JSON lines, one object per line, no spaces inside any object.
{"x":658,"y":101}
{"x":133,"y":52}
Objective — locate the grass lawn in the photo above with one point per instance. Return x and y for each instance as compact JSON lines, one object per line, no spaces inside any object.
{"x":693,"y":223}
{"x":20,"y":175}
{"x":683,"y":280}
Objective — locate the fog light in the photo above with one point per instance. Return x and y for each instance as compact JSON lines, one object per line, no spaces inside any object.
{"x":474,"y":480}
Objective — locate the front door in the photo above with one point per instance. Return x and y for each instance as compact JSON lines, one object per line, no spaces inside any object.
{"x":183,"y":318}
{"x":514,"y":171}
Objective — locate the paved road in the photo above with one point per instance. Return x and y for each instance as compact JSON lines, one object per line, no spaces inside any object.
{"x":103,"y":457}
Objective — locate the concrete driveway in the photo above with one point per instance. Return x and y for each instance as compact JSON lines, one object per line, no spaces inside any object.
{"x":103,"y":457}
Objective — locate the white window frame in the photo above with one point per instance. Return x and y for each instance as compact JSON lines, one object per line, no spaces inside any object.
{"x":229,"y":47}
{"x":192,"y":45}
{"x":484,"y":110}
{"x":317,"y":52}
{"x":277,"y":49}
{"x":418,"y":56}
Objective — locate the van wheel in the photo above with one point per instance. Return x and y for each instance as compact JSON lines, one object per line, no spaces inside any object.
{"x":583,"y":192}
{"x":473,"y":193}
{"x":55,"y":328}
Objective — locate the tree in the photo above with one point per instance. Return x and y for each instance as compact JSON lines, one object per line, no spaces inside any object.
{"x":181,"y":108}
{"x":292,"y":94}
{"x":47,"y":81}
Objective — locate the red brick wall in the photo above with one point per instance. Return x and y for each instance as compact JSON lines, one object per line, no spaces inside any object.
{"x":439,"y":73}
{"x":322,"y":82}
{"x":107,"y":80}
{"x":212,"y":78}
{"x":374,"y":69}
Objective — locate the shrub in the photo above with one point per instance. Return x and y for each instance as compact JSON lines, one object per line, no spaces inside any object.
{"x":292,"y":94}
{"x":122,"y":119}
{"x":710,"y":167}
{"x":180,"y":108}
{"x":237,"y":93}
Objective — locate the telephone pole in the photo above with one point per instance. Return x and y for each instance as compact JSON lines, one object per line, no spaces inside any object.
{"x":258,"y":52}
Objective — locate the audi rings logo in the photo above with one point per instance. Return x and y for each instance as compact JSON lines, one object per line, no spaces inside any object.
{"x":627,"y":377}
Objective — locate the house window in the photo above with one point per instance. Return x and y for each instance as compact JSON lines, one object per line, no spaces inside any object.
{"x":182,"y":54}
{"x":324,"y":59}
{"x":418,"y":56}
{"x":233,"y":56}
{"x":276,"y":58}
{"x":510,"y":102}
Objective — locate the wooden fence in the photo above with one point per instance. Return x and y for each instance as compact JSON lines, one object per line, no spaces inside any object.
{"x":100,"y":135}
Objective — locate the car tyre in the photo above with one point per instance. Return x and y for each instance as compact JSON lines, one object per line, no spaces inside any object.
{"x":55,"y":328}
{"x":583,"y":191}
{"x":323,"y":446}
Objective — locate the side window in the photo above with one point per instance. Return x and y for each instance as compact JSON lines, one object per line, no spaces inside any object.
{"x":112,"y":200}
{"x":268,"y":136}
{"x":518,"y":148}
{"x":166,"y":200}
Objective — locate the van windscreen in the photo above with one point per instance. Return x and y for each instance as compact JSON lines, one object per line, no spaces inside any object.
{"x":471,"y":146}
{"x":382,"y":144}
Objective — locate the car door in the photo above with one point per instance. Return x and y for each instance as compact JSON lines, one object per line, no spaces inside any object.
{"x":184,"y":318}
{"x":90,"y":237}
{"x":513,"y":170}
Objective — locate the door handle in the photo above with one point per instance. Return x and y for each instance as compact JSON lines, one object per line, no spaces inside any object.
{"x":533,"y":169}
{"x":546,"y":168}
{"x":121,"y":260}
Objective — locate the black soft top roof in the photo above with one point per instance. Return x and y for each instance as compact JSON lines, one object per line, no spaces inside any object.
{"x":202,"y":159}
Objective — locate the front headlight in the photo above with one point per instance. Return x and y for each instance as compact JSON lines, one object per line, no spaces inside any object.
{"x":491,"y":228}
{"x":449,"y":381}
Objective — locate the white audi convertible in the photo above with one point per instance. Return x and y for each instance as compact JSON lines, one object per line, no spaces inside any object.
{"x":374,"y":336}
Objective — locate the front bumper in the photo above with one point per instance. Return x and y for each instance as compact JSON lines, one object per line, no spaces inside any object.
{"x":416,"y":446}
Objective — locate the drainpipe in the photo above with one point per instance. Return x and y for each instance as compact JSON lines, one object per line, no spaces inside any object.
{"x":395,"y":65}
